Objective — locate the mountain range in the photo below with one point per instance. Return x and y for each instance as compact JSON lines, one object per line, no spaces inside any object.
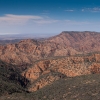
{"x":39,"y":65}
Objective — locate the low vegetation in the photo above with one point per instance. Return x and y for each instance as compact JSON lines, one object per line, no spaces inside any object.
{"x":85,"y":87}
{"x":10,"y":80}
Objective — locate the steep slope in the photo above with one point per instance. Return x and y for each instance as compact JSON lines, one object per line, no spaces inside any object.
{"x":40,"y":74}
{"x":40,"y":65}
{"x":81,"y":41}
{"x":10,"y":80}
{"x":28,"y":51}
{"x":67,"y":43}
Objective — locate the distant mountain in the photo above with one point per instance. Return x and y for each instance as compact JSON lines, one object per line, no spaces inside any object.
{"x":5,"y":42}
{"x":15,"y":36}
{"x":80,"y":41}
{"x":65,"y":44}
{"x":23,"y":36}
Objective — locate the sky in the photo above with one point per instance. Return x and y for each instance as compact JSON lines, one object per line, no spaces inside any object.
{"x":48,"y":17}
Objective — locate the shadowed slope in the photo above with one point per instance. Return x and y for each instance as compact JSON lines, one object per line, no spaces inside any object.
{"x":10,"y":80}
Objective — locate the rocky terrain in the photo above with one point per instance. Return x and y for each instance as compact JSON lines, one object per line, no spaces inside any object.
{"x":77,"y":88}
{"x":42,"y":63}
{"x":65,"y":44}
{"x":40,"y":74}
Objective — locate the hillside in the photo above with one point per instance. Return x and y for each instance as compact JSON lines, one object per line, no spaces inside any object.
{"x":45,"y":71}
{"x":81,"y":41}
{"x":10,"y":80}
{"x":65,"y":44}
{"x":68,"y":60}
{"x":78,"y":88}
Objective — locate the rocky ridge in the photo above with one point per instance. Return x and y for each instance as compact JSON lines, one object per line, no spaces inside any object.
{"x":68,"y":54}
{"x":65,"y":44}
{"x":66,"y":67}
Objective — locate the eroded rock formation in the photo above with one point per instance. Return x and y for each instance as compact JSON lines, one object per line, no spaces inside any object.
{"x":68,"y":66}
{"x":68,"y":54}
{"x":64,"y":44}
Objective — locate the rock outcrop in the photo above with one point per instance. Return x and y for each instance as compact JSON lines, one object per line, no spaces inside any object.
{"x":65,"y":44}
{"x":68,"y":66}
{"x":68,"y":54}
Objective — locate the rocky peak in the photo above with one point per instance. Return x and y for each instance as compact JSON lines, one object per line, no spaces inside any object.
{"x":26,"y":41}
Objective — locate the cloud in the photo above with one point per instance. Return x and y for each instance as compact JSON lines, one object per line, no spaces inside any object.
{"x":69,"y":10}
{"x":45,"y":10}
{"x":12,"y":24}
{"x":82,"y":10}
{"x":47,"y":21}
{"x":44,"y":13}
{"x":24,"y":19}
{"x":9,"y":17}
{"x":17,"y":19}
{"x":13,"y":20}
{"x":95,"y":9}
{"x":72,"y":22}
